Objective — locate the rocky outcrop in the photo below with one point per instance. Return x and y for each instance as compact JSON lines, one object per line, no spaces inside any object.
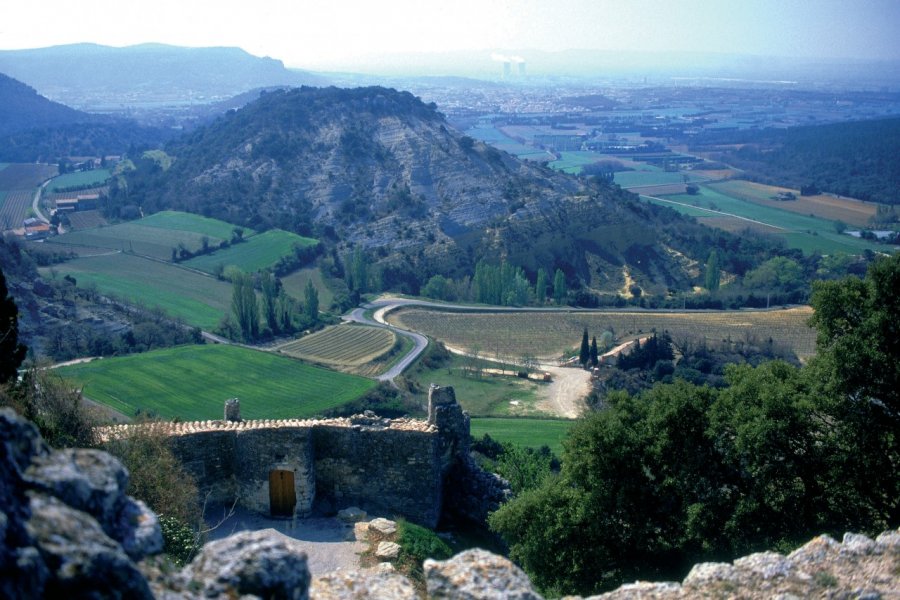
{"x":67,"y":526}
{"x":69,"y":530}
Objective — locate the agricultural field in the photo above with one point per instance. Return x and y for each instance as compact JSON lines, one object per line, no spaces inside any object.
{"x":192,"y":383}
{"x":25,"y":176}
{"x":86,"y":219}
{"x":92,"y":178}
{"x":530,"y":433}
{"x":196,"y":299}
{"x":182,"y":221}
{"x":496,"y":138}
{"x":572,"y":162}
{"x":258,"y":252}
{"x":154,"y":236}
{"x":649,"y":175}
{"x":852,"y":212}
{"x":818,"y":234}
{"x":295,"y":285}
{"x":342,"y":345}
{"x":553,"y":334}
{"x":15,"y":207}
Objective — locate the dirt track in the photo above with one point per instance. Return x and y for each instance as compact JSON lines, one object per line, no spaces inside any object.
{"x":565,"y":395}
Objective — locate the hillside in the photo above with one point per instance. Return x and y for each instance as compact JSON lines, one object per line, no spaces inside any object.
{"x":22,"y":108}
{"x":90,"y":74}
{"x":377,"y":168}
{"x":36,"y":129}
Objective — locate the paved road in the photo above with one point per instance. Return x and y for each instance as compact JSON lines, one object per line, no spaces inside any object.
{"x":420,"y":342}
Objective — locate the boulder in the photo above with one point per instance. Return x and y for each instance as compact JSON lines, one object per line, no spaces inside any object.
{"x":359,"y":586}
{"x":381,"y":529}
{"x":477,"y":575}
{"x":351,"y":514}
{"x":262,"y":563}
{"x":387,"y":550}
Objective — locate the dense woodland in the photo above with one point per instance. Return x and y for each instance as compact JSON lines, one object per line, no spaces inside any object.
{"x":856,"y":159}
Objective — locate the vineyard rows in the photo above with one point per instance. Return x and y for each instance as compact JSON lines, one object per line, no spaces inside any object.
{"x":15,"y":208}
{"x":345,"y":345}
{"x":553,"y":334}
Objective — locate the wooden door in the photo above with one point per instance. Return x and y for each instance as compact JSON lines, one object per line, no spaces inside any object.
{"x":282,"y":497}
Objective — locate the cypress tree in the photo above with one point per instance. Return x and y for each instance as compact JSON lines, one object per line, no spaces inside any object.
{"x":585,"y":353}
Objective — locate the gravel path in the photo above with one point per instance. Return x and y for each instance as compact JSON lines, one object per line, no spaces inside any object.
{"x":329,"y":543}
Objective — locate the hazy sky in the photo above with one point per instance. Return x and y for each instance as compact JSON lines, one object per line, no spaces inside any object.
{"x":331,"y":33}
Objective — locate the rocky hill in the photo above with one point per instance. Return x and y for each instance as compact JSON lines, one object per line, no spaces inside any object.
{"x":69,"y":530}
{"x":378,"y":168}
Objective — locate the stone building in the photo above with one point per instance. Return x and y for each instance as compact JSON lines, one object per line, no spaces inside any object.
{"x":292,"y":468}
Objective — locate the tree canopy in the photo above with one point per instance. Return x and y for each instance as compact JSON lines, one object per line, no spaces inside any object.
{"x":684,"y":473}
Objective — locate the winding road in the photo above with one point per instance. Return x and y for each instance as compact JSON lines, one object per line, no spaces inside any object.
{"x":563,"y":397}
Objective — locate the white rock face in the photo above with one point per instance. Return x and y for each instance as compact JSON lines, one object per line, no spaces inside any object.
{"x":387,"y":550}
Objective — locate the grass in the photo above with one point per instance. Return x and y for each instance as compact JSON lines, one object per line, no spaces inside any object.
{"x":572,"y":161}
{"x":153,"y":236}
{"x":295,"y":284}
{"x":819,"y":234}
{"x":261,"y":251}
{"x":853,"y":212}
{"x":646,"y":176}
{"x":346,"y":345}
{"x":181,"y":221}
{"x":192,"y":383}
{"x":531,"y":433}
{"x":485,"y":395}
{"x":96,"y":177}
{"x":551,"y":334}
{"x":196,"y":299}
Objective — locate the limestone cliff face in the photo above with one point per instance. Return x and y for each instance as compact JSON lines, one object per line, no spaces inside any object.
{"x":378,"y":168}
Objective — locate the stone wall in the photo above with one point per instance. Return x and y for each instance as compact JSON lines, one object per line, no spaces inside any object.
{"x":382,"y":470}
{"x":393,"y":467}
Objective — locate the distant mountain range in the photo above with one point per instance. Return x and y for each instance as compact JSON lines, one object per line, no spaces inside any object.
{"x":22,"y":108}
{"x":379,"y":169}
{"x":91,"y":76}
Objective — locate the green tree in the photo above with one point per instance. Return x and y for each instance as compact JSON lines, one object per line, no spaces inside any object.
{"x":595,"y":353}
{"x":12,"y":353}
{"x":311,"y":302}
{"x":243,"y":306}
{"x":559,"y":287}
{"x":270,"y":289}
{"x":436,"y":288}
{"x":779,"y":273}
{"x":540,"y":286}
{"x":584,"y":354}
{"x":711,"y":280}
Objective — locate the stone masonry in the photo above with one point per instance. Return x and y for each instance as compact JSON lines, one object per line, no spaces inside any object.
{"x":402,"y":467}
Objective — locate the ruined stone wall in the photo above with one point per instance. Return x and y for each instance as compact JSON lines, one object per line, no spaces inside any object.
{"x":399,"y":467}
{"x":387,"y":471}
{"x":208,"y":456}
{"x":258,"y":452}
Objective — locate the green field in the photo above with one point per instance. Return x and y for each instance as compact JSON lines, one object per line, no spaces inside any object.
{"x":484,"y":396}
{"x":809,"y":233}
{"x":94,"y":178}
{"x":295,"y":285}
{"x":344,"y":345}
{"x":261,"y":251}
{"x":196,"y":299}
{"x":572,"y":161}
{"x":650,"y":175}
{"x":182,"y":221}
{"x":531,"y":433}
{"x":155,"y":236}
{"x":193,"y":382}
{"x":551,"y":334}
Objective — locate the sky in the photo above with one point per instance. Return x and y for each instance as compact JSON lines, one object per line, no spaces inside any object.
{"x":334,"y":34}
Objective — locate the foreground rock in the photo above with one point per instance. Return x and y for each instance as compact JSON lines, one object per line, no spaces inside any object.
{"x":68,"y":530}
